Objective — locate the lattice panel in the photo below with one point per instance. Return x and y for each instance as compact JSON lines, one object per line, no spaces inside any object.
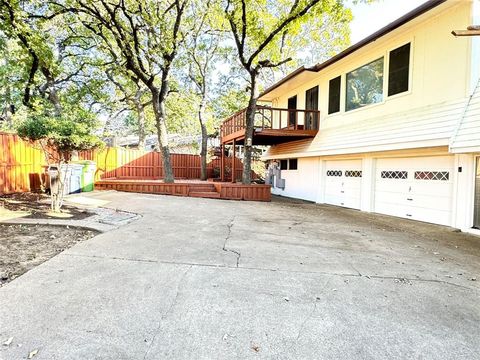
{"x":353,"y":173}
{"x":432,"y":175}
{"x":334,"y":173}
{"x":394,"y":175}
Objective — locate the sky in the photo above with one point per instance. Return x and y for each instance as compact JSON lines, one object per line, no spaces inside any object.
{"x":370,"y":17}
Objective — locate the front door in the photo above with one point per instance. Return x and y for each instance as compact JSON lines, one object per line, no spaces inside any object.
{"x":292,"y":105}
{"x":311,"y":103}
{"x":476,"y":212}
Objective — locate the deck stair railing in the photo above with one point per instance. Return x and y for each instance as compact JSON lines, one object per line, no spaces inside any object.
{"x":273,"y":118}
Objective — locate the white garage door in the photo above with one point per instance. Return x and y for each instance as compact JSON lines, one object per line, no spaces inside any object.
{"x":343,"y":183}
{"x":415,"y":188}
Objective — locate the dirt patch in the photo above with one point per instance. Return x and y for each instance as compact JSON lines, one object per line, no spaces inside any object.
{"x":22,"y":247}
{"x":38,"y":206}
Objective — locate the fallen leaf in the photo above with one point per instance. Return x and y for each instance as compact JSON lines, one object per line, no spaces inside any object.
{"x":255,"y":348}
{"x":32,"y":353}
{"x":8,"y":341}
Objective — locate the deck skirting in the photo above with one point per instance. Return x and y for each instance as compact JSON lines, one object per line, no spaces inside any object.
{"x":227,"y":191}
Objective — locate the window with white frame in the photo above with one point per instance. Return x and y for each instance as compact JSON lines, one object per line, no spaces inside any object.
{"x":289,"y":164}
{"x":399,"y":70}
{"x":364,"y":86}
{"x":334,"y":95}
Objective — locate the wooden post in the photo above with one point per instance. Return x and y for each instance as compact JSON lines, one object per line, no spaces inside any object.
{"x":233,"y":162}
{"x":222,"y":163}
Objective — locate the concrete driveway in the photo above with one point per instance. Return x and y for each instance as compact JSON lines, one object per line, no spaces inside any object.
{"x":212,"y":279}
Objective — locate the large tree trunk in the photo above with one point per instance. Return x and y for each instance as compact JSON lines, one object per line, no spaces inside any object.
{"x":159,"y":110}
{"x":52,"y":96}
{"x":203,"y":150}
{"x":249,"y":126}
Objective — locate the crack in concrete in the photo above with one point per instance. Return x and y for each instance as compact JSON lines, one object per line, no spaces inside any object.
{"x":219,"y":266}
{"x":229,"y":233}
{"x":302,"y":326}
{"x":355,"y":269}
{"x":167,"y":312}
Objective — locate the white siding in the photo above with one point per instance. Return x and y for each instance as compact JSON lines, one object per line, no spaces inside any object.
{"x":408,"y":129}
{"x":301,"y":183}
{"x":467,"y":137}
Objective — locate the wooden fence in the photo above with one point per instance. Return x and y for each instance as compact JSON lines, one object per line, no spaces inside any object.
{"x":123,"y":163}
{"x":22,"y":166}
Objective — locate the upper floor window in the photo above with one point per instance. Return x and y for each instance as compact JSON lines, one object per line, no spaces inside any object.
{"x":334,"y":95}
{"x":398,"y":70}
{"x":365,"y":85}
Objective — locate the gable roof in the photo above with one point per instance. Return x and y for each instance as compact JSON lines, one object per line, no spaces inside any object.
{"x":425,"y":7}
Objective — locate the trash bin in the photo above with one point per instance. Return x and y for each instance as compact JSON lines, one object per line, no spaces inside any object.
{"x":73,"y":177}
{"x":88,"y":175}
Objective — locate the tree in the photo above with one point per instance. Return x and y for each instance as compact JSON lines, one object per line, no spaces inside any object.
{"x":48,"y":60}
{"x":59,"y":136}
{"x":144,"y":37}
{"x":11,"y":75}
{"x":203,"y":54}
{"x":314,"y":42}
{"x":133,"y":94}
{"x":259,"y":29}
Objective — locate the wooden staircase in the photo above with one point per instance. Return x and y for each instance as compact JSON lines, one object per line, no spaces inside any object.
{"x":203,"y":191}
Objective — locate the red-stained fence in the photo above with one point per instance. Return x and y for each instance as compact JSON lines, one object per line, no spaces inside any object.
{"x":120,"y":163}
{"x":22,"y":165}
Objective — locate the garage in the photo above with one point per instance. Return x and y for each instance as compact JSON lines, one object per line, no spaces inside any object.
{"x":418,"y":188}
{"x":343,"y":183}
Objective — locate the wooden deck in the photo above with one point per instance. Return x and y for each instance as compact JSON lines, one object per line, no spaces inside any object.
{"x":204,"y":189}
{"x":272,"y":126}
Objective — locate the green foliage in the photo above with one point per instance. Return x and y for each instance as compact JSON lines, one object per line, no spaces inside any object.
{"x":65,"y":134}
{"x":229,"y":102}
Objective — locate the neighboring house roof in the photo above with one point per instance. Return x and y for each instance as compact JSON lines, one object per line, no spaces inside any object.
{"x":467,"y":134}
{"x":427,"y":6}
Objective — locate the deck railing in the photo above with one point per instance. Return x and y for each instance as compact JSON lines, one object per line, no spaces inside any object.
{"x":273,"y":118}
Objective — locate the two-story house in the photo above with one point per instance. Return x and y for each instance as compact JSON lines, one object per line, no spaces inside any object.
{"x":390,"y":125}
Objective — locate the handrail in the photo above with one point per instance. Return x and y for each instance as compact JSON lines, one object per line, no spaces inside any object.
{"x":267,"y":117}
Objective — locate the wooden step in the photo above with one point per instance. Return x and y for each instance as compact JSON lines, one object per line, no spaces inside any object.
{"x":204,"y":194}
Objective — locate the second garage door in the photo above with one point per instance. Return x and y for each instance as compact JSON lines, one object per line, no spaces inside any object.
{"x":415,"y":188}
{"x":343,"y":183}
